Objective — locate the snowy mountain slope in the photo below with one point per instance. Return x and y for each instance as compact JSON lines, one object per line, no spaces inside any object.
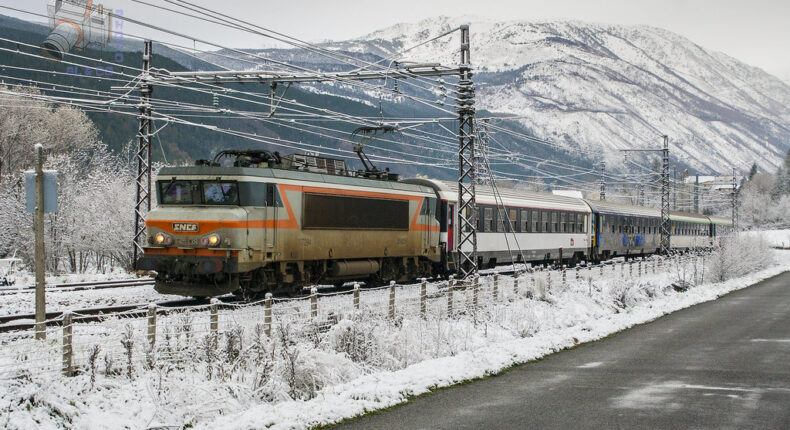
{"x":600,"y":87}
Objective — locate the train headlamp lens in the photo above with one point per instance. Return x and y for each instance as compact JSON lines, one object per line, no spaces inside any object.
{"x":213,"y":240}
{"x":160,"y":239}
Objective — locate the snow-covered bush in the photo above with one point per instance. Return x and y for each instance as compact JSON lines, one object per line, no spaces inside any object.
{"x":737,"y":255}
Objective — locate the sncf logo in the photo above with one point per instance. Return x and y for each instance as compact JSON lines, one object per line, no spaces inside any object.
{"x":185,"y":227}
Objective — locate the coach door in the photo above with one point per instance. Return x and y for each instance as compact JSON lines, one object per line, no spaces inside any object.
{"x":270,"y":217}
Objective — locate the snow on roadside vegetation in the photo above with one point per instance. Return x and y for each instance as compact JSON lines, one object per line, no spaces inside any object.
{"x":345,"y":362}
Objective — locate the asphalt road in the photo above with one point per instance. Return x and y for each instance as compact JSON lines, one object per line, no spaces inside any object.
{"x":721,"y":364}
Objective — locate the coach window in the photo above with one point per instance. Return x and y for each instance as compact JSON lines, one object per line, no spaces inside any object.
{"x":563,"y":222}
{"x":524,"y":221}
{"x":513,"y":214}
{"x":583,"y":224}
{"x":488,"y":220}
{"x":535,"y":222}
{"x":555,"y":226}
{"x":501,"y":220}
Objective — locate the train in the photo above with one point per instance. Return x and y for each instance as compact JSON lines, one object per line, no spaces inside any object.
{"x":272,"y":223}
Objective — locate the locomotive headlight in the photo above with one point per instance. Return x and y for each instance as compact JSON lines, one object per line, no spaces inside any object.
{"x":213,"y":240}
{"x":162,"y":239}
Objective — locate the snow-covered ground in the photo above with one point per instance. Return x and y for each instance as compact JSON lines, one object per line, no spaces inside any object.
{"x":345,"y":361}
{"x":774,"y":238}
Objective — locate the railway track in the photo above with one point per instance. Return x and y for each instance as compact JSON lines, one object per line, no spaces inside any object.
{"x":20,"y":322}
{"x":80,"y":286}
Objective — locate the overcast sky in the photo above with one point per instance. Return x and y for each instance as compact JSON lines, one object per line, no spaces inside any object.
{"x":754,"y":31}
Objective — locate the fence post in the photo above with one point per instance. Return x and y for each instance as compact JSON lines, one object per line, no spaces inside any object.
{"x":631,"y":269}
{"x":696,"y":260}
{"x":314,"y":302}
{"x":475,"y":288}
{"x":563,"y":276}
{"x":267,"y":314}
{"x":577,"y":273}
{"x":495,"y":291}
{"x":67,"y":346}
{"x":601,"y":270}
{"x":423,"y":296}
{"x":152,"y":324}
{"x":356,"y":296}
{"x":640,"y":268}
{"x":214,"y":324}
{"x":392,"y":300}
{"x":450,"y":286}
{"x":515,"y":284}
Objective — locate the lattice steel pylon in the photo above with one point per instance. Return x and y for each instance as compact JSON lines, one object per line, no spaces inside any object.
{"x":665,"y":224}
{"x":143,"y":179}
{"x":602,"y":182}
{"x":467,"y":207}
{"x":482,"y":174}
{"x":734,"y":200}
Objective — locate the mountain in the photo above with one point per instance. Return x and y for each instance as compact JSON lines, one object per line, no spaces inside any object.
{"x":595,"y":88}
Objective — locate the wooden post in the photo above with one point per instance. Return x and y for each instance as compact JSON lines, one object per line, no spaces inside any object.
{"x":515,"y":284}
{"x":214,"y":324}
{"x":475,"y":288}
{"x":450,"y":286}
{"x":601,"y":270}
{"x":495,"y":290}
{"x":622,"y":269}
{"x":267,"y":314}
{"x":314,"y":302}
{"x":563,"y":276}
{"x":356,"y":296}
{"x":392,"y":300}
{"x":640,"y":268}
{"x":67,"y":345}
{"x":423,"y":296}
{"x":695,"y":260}
{"x":38,"y":232}
{"x":631,"y":269}
{"x":577,"y":273}
{"x":152,"y":324}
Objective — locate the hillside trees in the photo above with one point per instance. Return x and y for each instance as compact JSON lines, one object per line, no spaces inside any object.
{"x":93,"y":226}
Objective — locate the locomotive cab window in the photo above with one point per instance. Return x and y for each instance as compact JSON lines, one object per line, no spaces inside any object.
{"x":175,"y":192}
{"x":220,"y":193}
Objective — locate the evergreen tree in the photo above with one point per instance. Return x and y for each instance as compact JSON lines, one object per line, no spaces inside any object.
{"x":753,"y":171}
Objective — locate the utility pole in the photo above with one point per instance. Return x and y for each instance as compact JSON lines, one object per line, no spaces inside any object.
{"x":603,"y":181}
{"x":143,"y":179}
{"x":38,"y":228}
{"x":665,"y":184}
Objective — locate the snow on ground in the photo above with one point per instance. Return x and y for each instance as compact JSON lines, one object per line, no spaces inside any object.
{"x":23,"y":302}
{"x":345,"y":361}
{"x":774,"y":238}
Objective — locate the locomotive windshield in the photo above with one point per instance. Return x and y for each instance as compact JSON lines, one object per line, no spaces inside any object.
{"x":220,"y":193}
{"x":176,"y":192}
{"x":199,"y":192}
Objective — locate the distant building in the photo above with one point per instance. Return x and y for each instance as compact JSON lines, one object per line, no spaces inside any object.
{"x":714,"y":183}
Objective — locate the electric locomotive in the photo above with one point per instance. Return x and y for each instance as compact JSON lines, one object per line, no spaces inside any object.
{"x":274,"y":223}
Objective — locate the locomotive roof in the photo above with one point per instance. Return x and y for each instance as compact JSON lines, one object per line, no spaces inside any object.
{"x":295,"y":175}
